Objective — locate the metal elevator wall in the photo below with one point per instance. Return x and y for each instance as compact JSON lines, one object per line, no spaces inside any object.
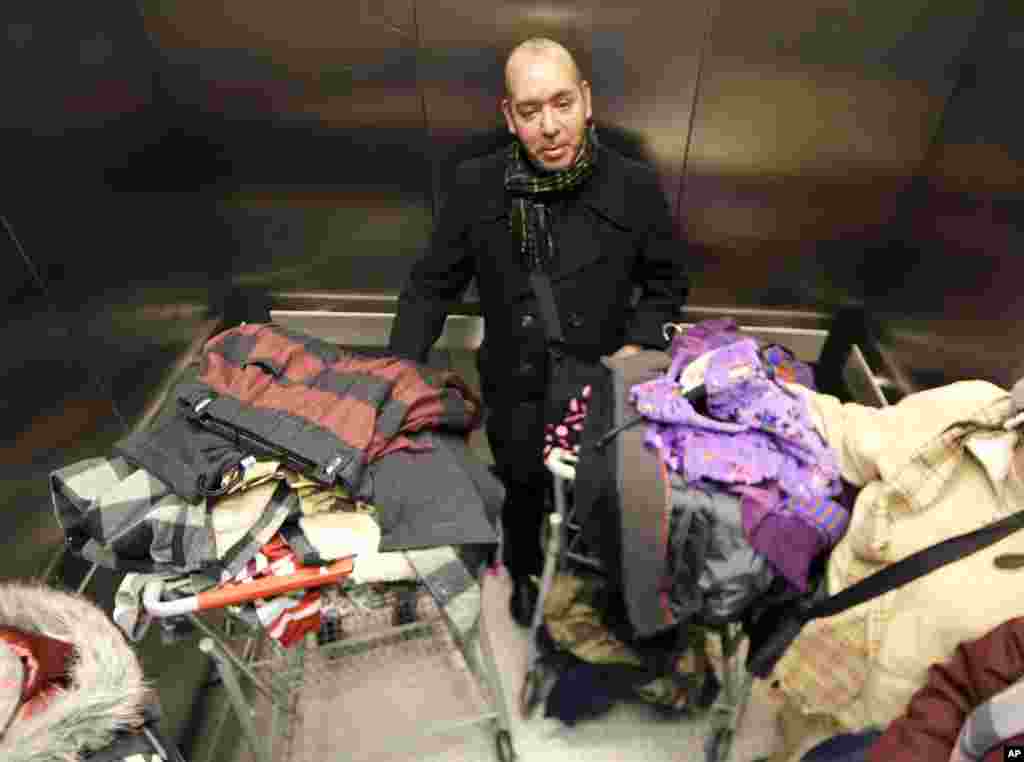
{"x":157,"y":155}
{"x":783,"y":134}
{"x":314,"y":142}
{"x":817,"y":154}
{"x":102,"y":280}
{"x":946,"y":284}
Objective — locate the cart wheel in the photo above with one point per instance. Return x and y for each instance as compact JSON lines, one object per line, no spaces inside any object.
{"x":503,"y":743}
{"x":530,"y":693}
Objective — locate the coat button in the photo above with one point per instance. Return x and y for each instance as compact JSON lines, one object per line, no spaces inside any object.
{"x":575,"y":320}
{"x":527,"y":320}
{"x":527,"y":369}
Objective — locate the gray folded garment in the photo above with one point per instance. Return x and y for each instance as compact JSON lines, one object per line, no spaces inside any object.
{"x":445,"y":496}
{"x":715,"y":572}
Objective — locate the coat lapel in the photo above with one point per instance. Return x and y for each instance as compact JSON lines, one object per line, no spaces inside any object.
{"x":582,"y":238}
{"x":503,"y":248}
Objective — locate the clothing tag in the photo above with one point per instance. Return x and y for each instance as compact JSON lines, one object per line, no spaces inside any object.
{"x":995,"y":453}
{"x":693,"y":374}
{"x":743,"y":370}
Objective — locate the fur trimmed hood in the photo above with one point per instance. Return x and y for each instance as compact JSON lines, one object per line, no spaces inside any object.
{"x":107,"y":690}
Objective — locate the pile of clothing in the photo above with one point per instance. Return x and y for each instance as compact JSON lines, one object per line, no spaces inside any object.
{"x":757,"y":492}
{"x":755,"y":496}
{"x":783,"y":462}
{"x":596,"y":669}
{"x":940,"y":463}
{"x":284,"y":451}
{"x":725,"y":422}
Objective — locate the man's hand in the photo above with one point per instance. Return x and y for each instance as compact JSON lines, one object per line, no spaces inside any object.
{"x":626,"y":350}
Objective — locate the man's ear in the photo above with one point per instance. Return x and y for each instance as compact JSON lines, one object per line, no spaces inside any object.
{"x":585,"y":89}
{"x":506,"y":109}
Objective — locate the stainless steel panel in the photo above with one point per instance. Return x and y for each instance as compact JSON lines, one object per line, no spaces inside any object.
{"x":949,"y":290}
{"x":813,"y":116}
{"x":356,"y":301}
{"x":465,"y":332}
{"x":317,"y":113}
{"x":641,"y":59}
{"x":72,"y":71}
{"x":355,"y":329}
{"x":100,"y":265}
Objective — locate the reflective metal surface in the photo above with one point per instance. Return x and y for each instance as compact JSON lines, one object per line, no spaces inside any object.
{"x":319,"y":117}
{"x":816,"y":153}
{"x":812,"y":119}
{"x":103,"y":272}
{"x":465,"y":332}
{"x":948,"y":289}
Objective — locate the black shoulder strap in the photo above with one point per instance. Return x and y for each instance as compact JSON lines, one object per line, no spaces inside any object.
{"x":916,"y":565}
{"x":541,"y":284}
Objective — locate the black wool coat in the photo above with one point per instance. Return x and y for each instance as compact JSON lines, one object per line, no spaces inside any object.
{"x":614,"y":240}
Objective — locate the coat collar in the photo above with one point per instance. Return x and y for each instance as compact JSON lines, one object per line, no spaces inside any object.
{"x":606,"y":191}
{"x":604,"y":194}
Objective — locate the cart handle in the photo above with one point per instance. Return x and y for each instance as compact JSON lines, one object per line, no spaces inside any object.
{"x":562,"y":463}
{"x":233,"y":593}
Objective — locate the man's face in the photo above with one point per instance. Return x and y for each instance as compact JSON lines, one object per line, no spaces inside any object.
{"x":547,"y":109}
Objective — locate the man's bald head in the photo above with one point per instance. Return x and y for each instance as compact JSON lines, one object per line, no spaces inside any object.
{"x":538,"y":47}
{"x":547,"y":105}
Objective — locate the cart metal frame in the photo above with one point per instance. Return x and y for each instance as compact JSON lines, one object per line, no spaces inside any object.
{"x":562,"y":542}
{"x":289,"y":664}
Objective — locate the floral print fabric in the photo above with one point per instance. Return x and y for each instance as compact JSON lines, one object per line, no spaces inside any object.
{"x":743,"y":430}
{"x":722,"y":420}
{"x":566,"y":435}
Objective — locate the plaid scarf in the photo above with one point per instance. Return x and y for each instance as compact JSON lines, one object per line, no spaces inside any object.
{"x":530,"y":188}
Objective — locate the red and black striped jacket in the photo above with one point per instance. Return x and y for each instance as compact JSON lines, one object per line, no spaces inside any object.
{"x":335,"y":409}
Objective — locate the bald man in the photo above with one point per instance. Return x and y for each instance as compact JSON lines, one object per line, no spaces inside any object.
{"x":595,"y":222}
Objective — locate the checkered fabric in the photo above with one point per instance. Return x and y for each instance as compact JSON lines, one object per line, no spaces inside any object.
{"x":829,"y":664}
{"x":127,"y":520}
{"x":922,"y":480}
{"x":530,"y":187}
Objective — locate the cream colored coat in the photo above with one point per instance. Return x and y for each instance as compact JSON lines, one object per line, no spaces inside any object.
{"x":891,"y":641}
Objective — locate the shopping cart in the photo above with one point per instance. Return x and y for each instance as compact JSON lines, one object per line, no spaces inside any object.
{"x":563,"y":545}
{"x":279,"y":674}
